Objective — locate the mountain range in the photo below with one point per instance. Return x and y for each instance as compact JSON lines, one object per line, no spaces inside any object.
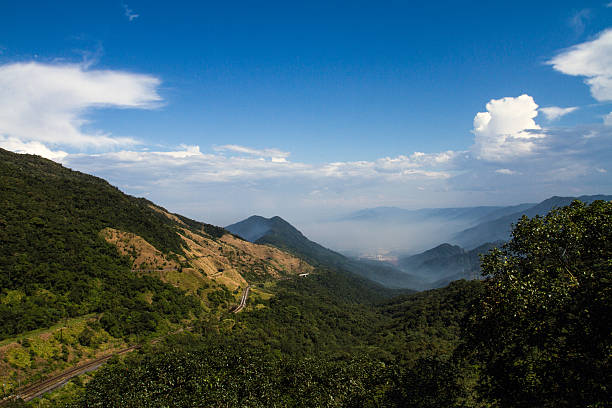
{"x":435,"y":267}
{"x":279,"y":233}
{"x":466,"y":214}
{"x":446,"y":263}
{"x":493,"y":227}
{"x":87,"y":272}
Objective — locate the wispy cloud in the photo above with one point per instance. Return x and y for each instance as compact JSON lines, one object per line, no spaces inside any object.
{"x":33,"y":147}
{"x":129,"y":13}
{"x":274,"y":154}
{"x":507,"y":172}
{"x":553,"y":113}
{"x":579,"y":20}
{"x":199,"y":167}
{"x":593,"y":60}
{"x":49,"y":103}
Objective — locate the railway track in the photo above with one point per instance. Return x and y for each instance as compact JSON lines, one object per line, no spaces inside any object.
{"x":38,"y":389}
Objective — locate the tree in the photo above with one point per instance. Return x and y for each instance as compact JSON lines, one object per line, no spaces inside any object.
{"x":542,"y":330}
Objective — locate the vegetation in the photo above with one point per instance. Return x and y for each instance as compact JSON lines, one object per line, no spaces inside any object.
{"x":535,"y":332}
{"x":248,"y":378}
{"x":542,"y":331}
{"x":53,"y":262}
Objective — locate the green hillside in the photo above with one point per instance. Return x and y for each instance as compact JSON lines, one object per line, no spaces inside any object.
{"x":53,"y":262}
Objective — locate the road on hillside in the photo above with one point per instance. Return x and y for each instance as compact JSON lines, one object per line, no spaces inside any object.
{"x":243,"y":300}
{"x":40,"y":388}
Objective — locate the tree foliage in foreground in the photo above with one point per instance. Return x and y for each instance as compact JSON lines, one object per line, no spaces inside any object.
{"x":543,"y":332}
{"x":213,"y":376}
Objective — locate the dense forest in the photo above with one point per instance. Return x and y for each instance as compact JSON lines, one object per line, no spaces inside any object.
{"x":54,"y":262}
{"x":536,"y":331}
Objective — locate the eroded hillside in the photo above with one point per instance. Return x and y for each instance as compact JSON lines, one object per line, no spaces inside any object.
{"x":225,"y":260}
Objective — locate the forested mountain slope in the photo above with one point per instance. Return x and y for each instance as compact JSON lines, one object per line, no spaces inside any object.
{"x":445,"y":263}
{"x":80,"y":260}
{"x":69,"y":238}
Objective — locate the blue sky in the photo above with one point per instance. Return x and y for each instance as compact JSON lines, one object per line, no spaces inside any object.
{"x":224,"y":109}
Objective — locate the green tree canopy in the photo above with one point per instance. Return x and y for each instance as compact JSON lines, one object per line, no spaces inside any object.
{"x":542,"y":331}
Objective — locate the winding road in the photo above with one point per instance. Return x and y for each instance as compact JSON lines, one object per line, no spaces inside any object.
{"x":243,"y":300}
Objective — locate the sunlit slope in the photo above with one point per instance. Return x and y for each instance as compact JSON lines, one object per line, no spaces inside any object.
{"x":71,"y":244}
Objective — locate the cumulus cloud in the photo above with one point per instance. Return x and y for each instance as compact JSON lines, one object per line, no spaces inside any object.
{"x":593,"y":60}
{"x":553,"y":113}
{"x":506,"y":130}
{"x":49,"y":103}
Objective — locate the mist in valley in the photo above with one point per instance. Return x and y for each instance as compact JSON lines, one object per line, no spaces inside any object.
{"x":381,"y":240}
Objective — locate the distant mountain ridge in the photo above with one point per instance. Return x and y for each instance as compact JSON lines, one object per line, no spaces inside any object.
{"x":279,"y":233}
{"x":445,"y":263}
{"x":479,"y":213}
{"x":498,"y":229}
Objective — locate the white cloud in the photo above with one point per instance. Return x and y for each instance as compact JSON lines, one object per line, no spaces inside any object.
{"x":505,"y":130}
{"x":593,"y":60}
{"x":16,"y":145}
{"x":274,"y":154}
{"x":48,"y":103}
{"x":195,"y":166}
{"x":129,"y":13}
{"x":608,"y":119}
{"x":218,"y":185}
{"x":507,"y":172}
{"x":554,"y":112}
